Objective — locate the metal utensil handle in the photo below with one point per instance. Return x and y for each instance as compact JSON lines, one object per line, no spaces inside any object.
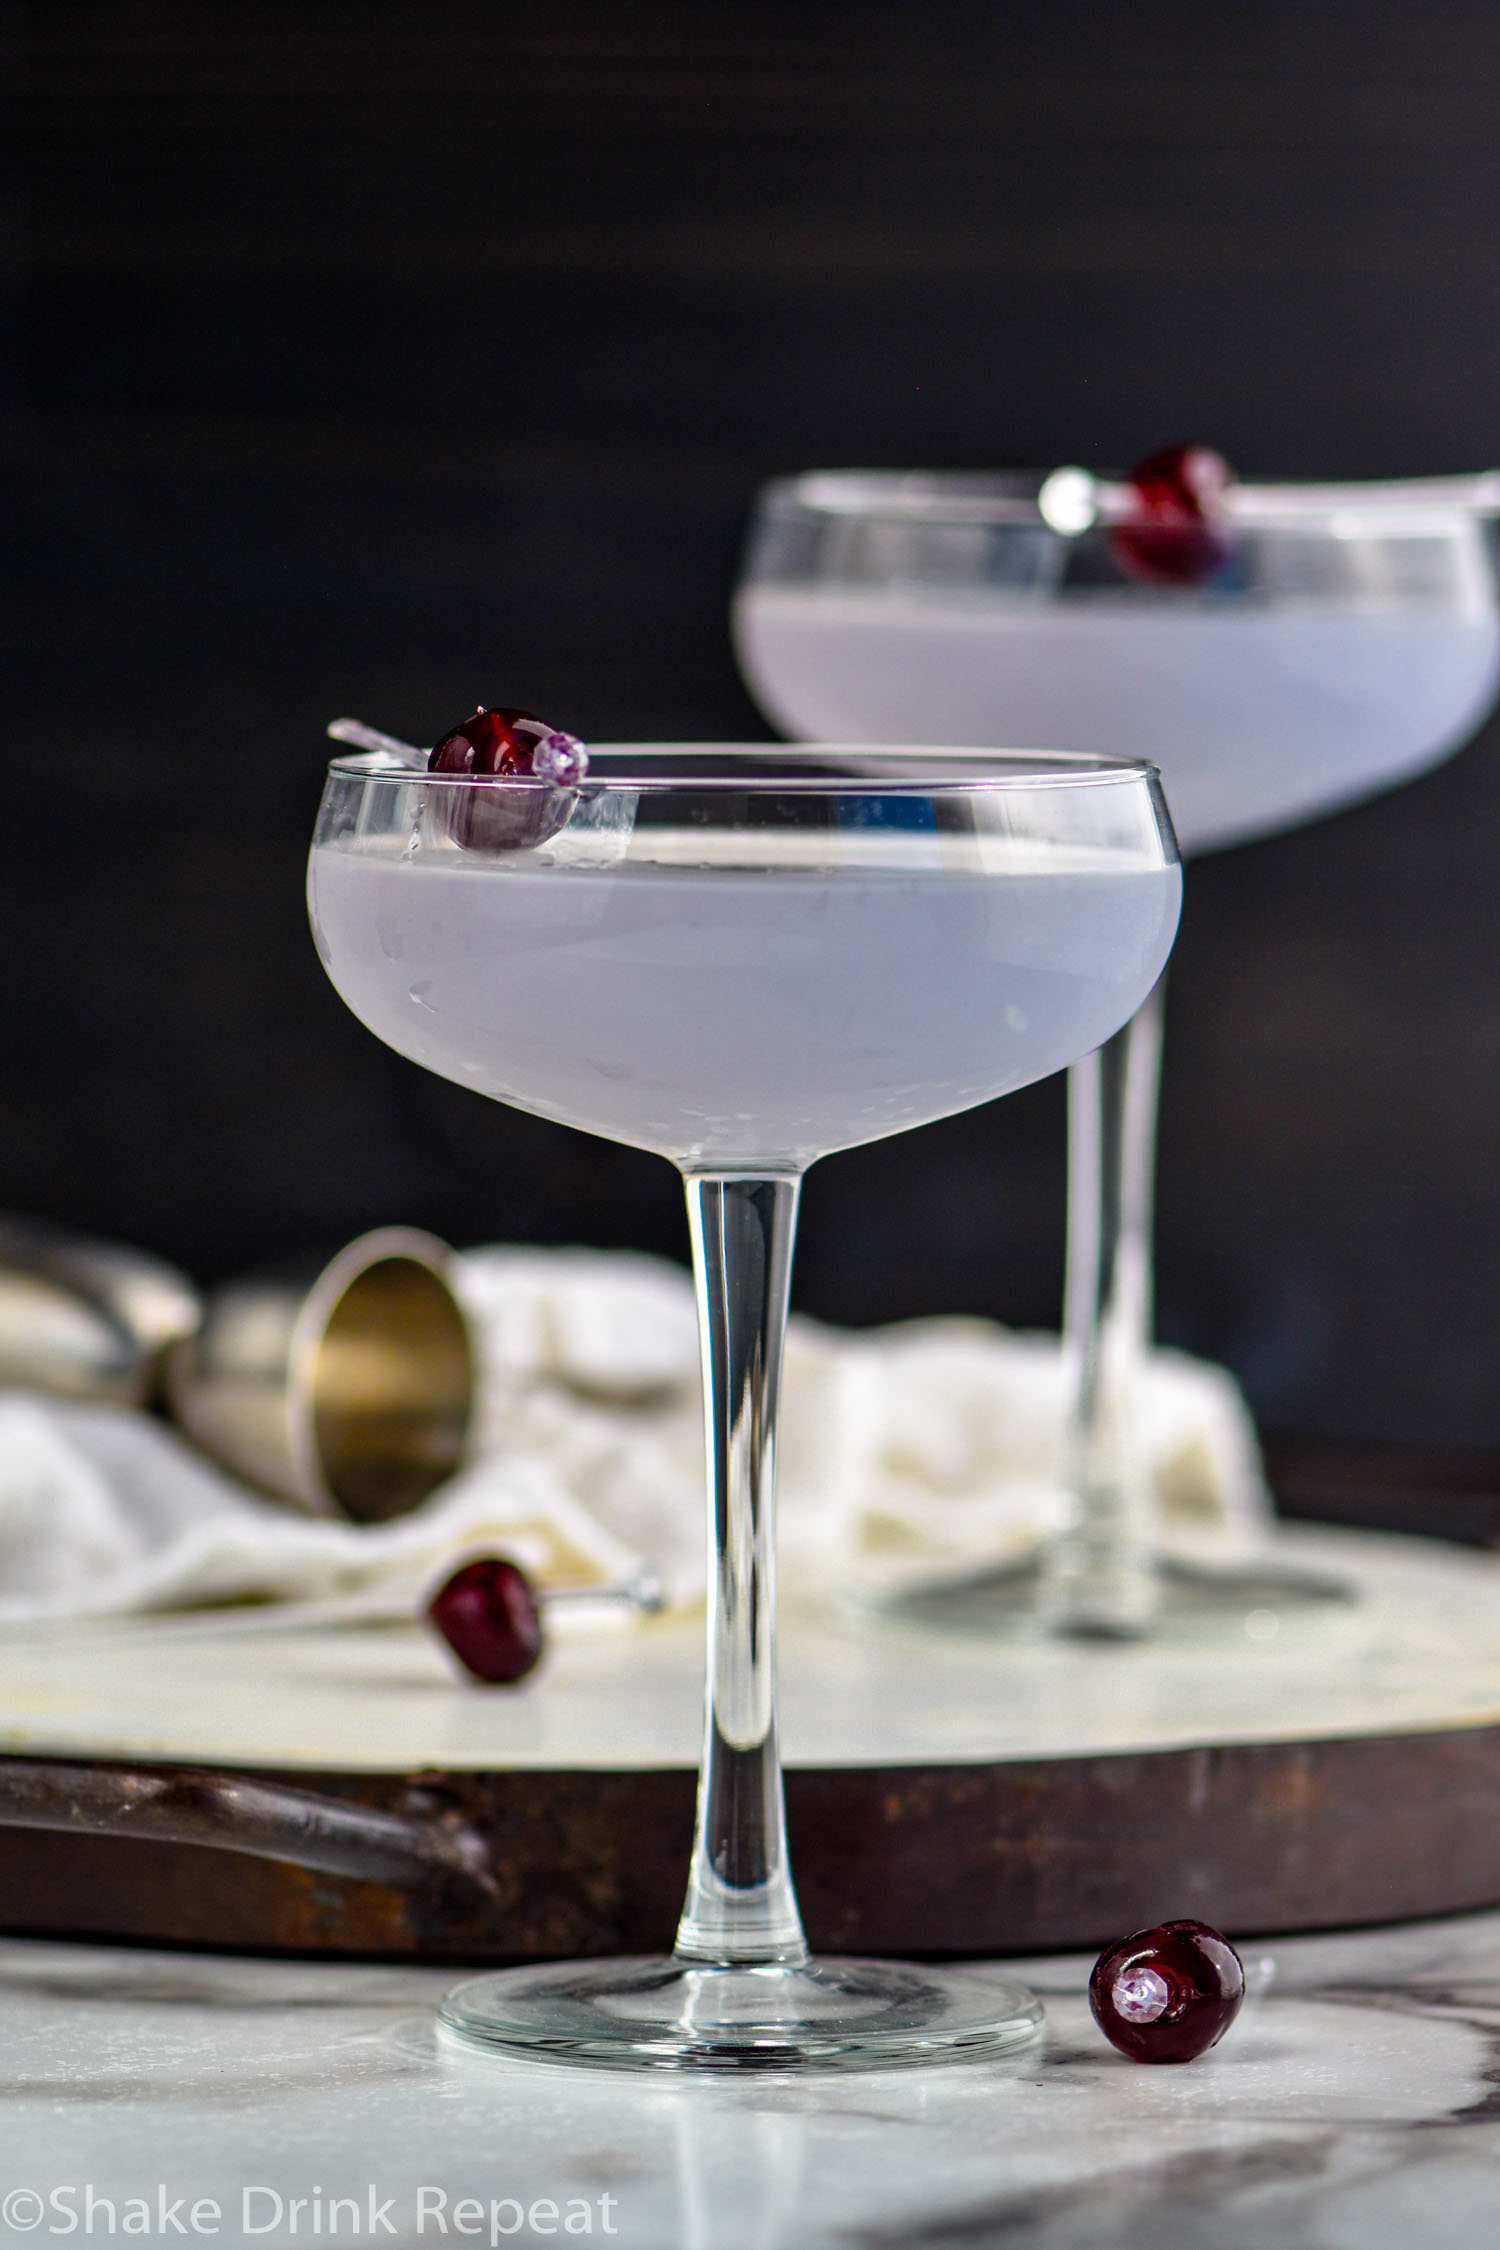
{"x":239,"y":1813}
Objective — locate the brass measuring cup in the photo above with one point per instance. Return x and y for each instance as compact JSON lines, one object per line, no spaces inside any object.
{"x":348,"y":1390}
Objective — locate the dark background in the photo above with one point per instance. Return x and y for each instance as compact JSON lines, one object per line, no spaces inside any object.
{"x":386,"y":358}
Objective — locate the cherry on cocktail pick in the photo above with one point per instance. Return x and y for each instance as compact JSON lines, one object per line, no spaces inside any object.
{"x":487,"y":1613}
{"x":534,"y":765}
{"x":1167,"y":1994}
{"x":1178,"y":531}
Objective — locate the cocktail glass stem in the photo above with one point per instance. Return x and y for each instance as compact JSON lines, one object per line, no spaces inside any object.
{"x":741,"y":1908}
{"x":1101,"y":1576}
{"x":740,"y":1991}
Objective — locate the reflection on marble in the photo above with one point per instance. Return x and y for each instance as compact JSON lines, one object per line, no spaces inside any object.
{"x":1355,"y":2108}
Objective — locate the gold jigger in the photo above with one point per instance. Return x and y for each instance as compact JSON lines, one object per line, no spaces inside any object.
{"x":85,"y":1319}
{"x":349,"y":1392}
{"x":351,"y":1397}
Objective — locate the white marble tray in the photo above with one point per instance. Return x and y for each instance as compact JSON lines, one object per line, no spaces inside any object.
{"x":1420,"y":1650}
{"x":945,"y":1795}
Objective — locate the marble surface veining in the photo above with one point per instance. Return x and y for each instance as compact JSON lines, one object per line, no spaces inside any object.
{"x":1355,"y":2107}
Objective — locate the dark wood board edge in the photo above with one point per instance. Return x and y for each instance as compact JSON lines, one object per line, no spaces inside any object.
{"x":1034,"y":1855}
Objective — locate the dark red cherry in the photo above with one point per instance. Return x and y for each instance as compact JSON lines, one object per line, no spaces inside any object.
{"x":539,"y":764}
{"x":1178,"y":534}
{"x":500,"y":740}
{"x":487,"y":1613}
{"x":1167,"y":1994}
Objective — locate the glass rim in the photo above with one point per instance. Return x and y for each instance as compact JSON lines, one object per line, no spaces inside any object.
{"x":1002,"y":771}
{"x":1000,"y":497}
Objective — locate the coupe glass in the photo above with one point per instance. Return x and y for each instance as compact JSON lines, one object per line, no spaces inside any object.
{"x":1349,"y":641}
{"x":743,"y":959}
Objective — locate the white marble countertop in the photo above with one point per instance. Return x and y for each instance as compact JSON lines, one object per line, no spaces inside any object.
{"x":1354,"y":2108}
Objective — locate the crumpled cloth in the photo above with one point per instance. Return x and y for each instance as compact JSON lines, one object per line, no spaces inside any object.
{"x":904,"y":1451}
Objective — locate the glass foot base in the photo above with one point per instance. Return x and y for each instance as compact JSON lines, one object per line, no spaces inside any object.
{"x":672,"y":2015}
{"x":1267,"y":1605}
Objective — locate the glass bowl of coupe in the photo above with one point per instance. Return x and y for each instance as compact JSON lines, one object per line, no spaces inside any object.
{"x":1278,"y":651}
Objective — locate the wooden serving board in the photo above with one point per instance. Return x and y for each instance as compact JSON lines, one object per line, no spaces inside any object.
{"x":945,"y":1796}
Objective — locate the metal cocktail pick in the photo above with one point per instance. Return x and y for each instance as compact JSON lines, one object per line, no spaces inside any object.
{"x":361,"y":737}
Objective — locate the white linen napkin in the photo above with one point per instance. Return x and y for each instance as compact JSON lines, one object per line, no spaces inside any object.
{"x":904,"y":1449}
